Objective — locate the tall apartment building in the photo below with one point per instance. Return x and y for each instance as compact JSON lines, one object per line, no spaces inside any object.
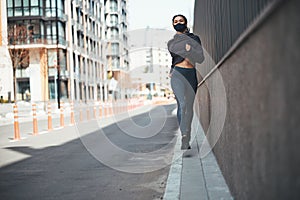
{"x":117,"y":46}
{"x":68,"y":42}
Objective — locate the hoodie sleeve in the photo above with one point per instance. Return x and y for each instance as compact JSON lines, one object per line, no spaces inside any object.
{"x":172,"y":66}
{"x":196,"y":55}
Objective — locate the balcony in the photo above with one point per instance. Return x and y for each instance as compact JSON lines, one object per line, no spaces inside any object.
{"x":39,"y":40}
{"x":91,"y":15}
{"x":112,"y":24}
{"x":114,"y":39}
{"x":86,"y":7}
{"x":77,"y":2}
{"x":76,"y":48}
{"x":88,"y":31}
{"x":111,"y":10}
{"x":64,"y":17}
{"x":64,"y":74}
{"x":73,"y":22}
{"x":114,"y":52}
{"x":80,"y":27}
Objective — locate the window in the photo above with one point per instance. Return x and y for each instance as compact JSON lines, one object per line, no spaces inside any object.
{"x":33,"y":2}
{"x":48,"y":4}
{"x":10,"y":12}
{"x":53,"y":27}
{"x":9,"y":3}
{"x":53,"y":3}
{"x":114,"y":6}
{"x":18,"y":3}
{"x":24,"y":7}
{"x":18,"y":12}
{"x":52,"y":89}
{"x":114,"y":20}
{"x":34,"y":11}
{"x":51,"y":32}
{"x":23,"y":92}
{"x":26,"y":11}
{"x":60,"y":8}
{"x":26,"y":3}
{"x":115,"y":49}
{"x":52,"y":57}
{"x":61,"y":29}
{"x":62,"y":60}
{"x":51,"y":8}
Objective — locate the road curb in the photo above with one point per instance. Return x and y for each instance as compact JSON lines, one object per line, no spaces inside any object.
{"x":172,"y":191}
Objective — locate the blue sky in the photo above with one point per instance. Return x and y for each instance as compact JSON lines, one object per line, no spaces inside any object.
{"x":157,"y":13}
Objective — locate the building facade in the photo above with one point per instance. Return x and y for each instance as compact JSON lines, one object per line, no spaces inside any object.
{"x":117,"y":45}
{"x":68,"y":43}
{"x":150,"y":60}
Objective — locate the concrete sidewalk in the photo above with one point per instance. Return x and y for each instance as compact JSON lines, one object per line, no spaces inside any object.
{"x":192,"y":177}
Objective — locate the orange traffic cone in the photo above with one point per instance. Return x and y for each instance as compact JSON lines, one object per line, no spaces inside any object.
{"x":35,"y":126}
{"x":49,"y":117}
{"x":62,"y":120}
{"x":16,"y":124}
{"x":72,"y":113}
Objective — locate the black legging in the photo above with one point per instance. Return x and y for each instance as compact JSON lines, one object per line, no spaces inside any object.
{"x":184,"y":85}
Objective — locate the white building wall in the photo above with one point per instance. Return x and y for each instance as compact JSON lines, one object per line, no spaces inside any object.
{"x":140,"y":41}
{"x":138,"y":58}
{"x":6,"y":72}
{"x":34,"y":71}
{"x":161,"y":61}
{"x":70,"y":62}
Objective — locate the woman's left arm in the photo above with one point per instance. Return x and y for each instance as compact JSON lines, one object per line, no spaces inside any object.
{"x":198,"y":56}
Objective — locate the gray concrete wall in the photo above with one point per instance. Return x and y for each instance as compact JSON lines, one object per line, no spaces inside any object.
{"x":259,"y":148}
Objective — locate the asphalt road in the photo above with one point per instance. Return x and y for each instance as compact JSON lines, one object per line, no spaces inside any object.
{"x":125,"y":160}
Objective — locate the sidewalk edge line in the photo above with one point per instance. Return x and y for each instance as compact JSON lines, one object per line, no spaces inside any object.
{"x":172,"y":191}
